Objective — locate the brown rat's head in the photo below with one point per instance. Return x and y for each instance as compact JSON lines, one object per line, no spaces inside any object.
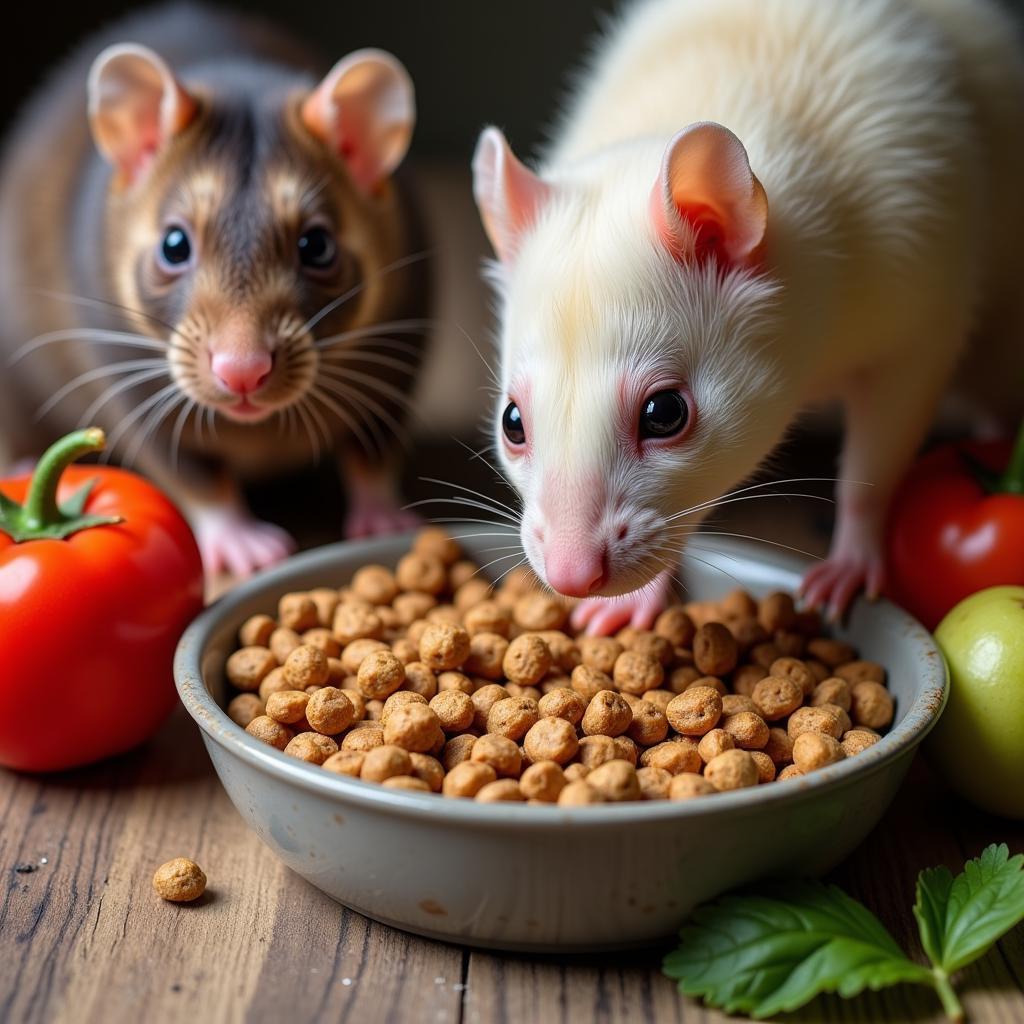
{"x":249,"y":213}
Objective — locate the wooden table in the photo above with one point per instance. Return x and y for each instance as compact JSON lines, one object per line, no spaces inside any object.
{"x":83,"y":938}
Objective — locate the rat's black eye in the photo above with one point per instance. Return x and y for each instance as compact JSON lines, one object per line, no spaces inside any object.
{"x":512,"y":424}
{"x":317,"y":248}
{"x":175,"y":249}
{"x":663,"y":414}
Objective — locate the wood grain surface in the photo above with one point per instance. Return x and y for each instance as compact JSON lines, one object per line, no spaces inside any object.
{"x":83,"y":938}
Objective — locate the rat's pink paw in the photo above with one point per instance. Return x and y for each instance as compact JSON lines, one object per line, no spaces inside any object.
{"x":232,"y":541}
{"x":601,"y":616}
{"x":372,"y":516}
{"x":832,"y":584}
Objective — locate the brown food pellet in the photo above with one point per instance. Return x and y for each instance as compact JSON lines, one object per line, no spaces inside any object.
{"x":247,"y":668}
{"x":688,"y":785}
{"x":871,"y":705}
{"x":298,"y":612}
{"x":832,"y":691}
{"x":512,"y":717}
{"x":322,"y":639}
{"x":637,"y":672}
{"x":500,"y":791}
{"x":579,"y":793}
{"x":444,"y":646}
{"x":411,"y":726}
{"x":695,"y":711}
{"x":776,"y":697}
{"x":345,"y":762}
{"x":789,"y":772}
{"x":179,"y":881}
{"x":486,"y":655}
{"x":607,"y":714}
{"x":600,"y":652}
{"x":435,"y":542}
{"x":500,"y":753}
{"x":385,"y":761}
{"x":379,"y":675}
{"x":364,"y":738}
{"x":734,"y":769}
{"x":454,"y":710}
{"x":779,"y":746}
{"x":265,"y":729}
{"x":424,"y":573}
{"x":715,"y":651}
{"x":749,"y":731}
{"x":595,"y":750}
{"x":287,"y":706}
{"x":675,"y":756}
{"x":354,"y":621}
{"x":713,"y":743}
{"x":527,"y":659}
{"x":654,"y":783}
{"x":861,"y":672}
{"x":813,"y":750}
{"x":675,"y":626}
{"x":543,"y":780}
{"x":306,"y":666}
{"x":615,"y":780}
{"x":551,"y":739}
{"x":256,"y":631}
{"x":457,"y":750}
{"x":455,"y":681}
{"x":273,"y":682}
{"x":795,"y":670}
{"x":410,"y":782}
{"x":412,"y":606}
{"x":467,"y":778}
{"x":244,"y":708}
{"x":856,"y":740}
{"x":311,"y":747}
{"x":356,"y":652}
{"x":488,"y":617}
{"x":807,"y":719}
{"x":329,"y":711}
{"x":535,"y":612}
{"x":283,"y":642}
{"x":765,"y":766}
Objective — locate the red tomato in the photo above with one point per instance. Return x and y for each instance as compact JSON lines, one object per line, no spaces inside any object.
{"x":956,"y":526}
{"x":88,"y":621}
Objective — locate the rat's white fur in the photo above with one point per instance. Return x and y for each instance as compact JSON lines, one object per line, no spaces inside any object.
{"x":888,"y":137}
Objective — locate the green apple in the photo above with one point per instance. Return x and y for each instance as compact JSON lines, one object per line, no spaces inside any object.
{"x":978,"y":744}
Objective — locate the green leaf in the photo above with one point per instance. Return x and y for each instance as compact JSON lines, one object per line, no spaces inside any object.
{"x":775,"y":949}
{"x":960,"y":918}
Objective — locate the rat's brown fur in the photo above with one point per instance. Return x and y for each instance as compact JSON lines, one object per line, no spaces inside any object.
{"x":245,"y":173}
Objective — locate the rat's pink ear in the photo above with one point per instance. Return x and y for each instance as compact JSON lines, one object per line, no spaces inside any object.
{"x":706,"y":183}
{"x":135,"y":106}
{"x":366,"y":110}
{"x":508,"y":194}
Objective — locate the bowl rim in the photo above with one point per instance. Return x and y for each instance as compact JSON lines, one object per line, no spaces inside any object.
{"x":214,"y":722}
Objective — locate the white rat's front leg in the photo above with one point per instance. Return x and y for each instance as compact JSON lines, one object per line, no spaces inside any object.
{"x":374,"y":506}
{"x":888,"y":412}
{"x":603,"y":615}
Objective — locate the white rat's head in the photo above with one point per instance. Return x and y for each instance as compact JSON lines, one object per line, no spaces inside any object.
{"x":636,"y":366}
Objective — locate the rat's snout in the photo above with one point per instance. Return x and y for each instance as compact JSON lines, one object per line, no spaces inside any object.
{"x":242,"y":374}
{"x":238,"y":358}
{"x":575,"y":569}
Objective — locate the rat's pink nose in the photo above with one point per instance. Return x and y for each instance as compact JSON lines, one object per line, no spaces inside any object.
{"x":241,"y":374}
{"x":575,"y":570}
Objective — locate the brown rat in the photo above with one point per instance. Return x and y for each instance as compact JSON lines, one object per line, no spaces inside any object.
{"x":206,"y":253}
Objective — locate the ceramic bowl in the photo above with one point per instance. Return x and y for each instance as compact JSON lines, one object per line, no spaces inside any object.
{"x":548,"y":879}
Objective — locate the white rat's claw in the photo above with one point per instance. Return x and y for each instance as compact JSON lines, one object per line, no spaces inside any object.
{"x":835,"y":582}
{"x":601,"y":616}
{"x":230,"y":540}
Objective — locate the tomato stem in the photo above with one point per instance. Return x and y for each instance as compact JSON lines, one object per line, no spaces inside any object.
{"x":1012,"y":480}
{"x":41,"y":517}
{"x":40,"y":509}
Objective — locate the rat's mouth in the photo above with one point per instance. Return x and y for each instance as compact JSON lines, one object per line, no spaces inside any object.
{"x":246,"y":411}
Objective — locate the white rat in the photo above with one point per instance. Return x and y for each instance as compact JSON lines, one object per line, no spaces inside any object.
{"x":750,"y":205}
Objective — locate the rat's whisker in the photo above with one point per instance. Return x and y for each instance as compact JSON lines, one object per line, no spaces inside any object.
{"x":113,"y":390}
{"x":85,"y":300}
{"x":494,"y":561}
{"x":356,"y":355}
{"x":469,"y":503}
{"x":151,"y":424}
{"x":484,"y":522}
{"x":379,"y":332}
{"x":748,"y":536}
{"x":720,"y":502}
{"x":88,"y":334}
{"x":134,"y":416}
{"x":314,"y":441}
{"x":487,"y":366}
{"x":98,"y":373}
{"x":390,"y":268}
{"x":179,"y":426}
{"x":511,"y":568}
{"x":350,"y":422}
{"x":469,"y":490}
{"x":361,"y":398}
{"x":381,"y":387}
